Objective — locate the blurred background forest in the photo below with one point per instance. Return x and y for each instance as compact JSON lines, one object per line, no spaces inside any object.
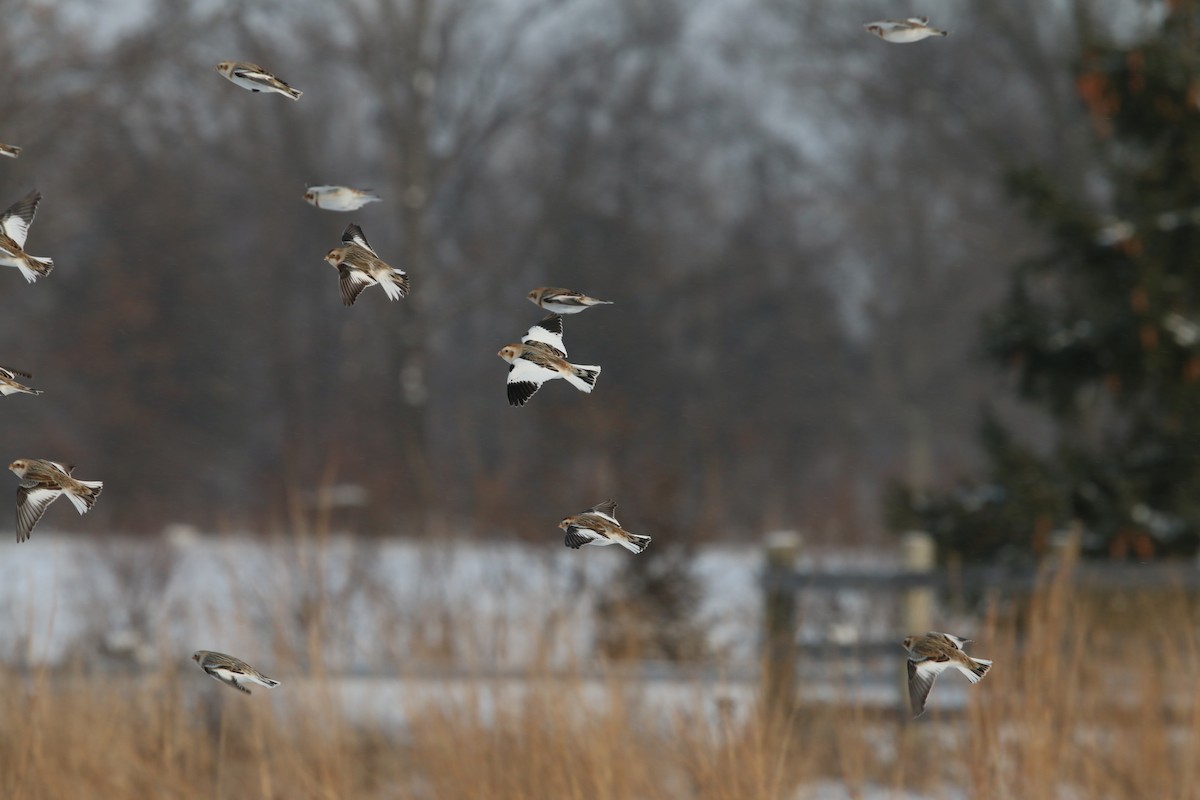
{"x":803,"y":230}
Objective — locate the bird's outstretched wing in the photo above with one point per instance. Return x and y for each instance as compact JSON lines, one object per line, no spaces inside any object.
{"x":548,"y":331}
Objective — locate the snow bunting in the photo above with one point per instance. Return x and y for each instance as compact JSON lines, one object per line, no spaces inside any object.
{"x":9,"y":385}
{"x":256,"y":79}
{"x":14,"y":226}
{"x":932,"y":653}
{"x":339,"y":198}
{"x":903,"y":31}
{"x":233,"y":671}
{"x":563,"y":301}
{"x":41,"y":484}
{"x":10,"y":150}
{"x":598,"y":526}
{"x":540,"y":357}
{"x":359,"y":267}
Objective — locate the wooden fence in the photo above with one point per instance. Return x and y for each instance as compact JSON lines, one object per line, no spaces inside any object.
{"x":917,"y":584}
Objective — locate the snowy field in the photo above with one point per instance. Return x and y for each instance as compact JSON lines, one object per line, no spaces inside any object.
{"x":480,"y":606}
{"x":405,"y":617}
{"x":416,"y":643}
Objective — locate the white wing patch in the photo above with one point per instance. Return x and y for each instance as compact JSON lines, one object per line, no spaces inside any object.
{"x":19,"y":216}
{"x":920,"y":680}
{"x":16,"y":229}
{"x":354,"y":235}
{"x":352,"y":283}
{"x":253,"y":72}
{"x":577,"y":536}
{"x":31,"y":504}
{"x":525,"y":371}
{"x":606,"y":510}
{"x":224,"y":675}
{"x":957,"y":641}
{"x":539,"y":334}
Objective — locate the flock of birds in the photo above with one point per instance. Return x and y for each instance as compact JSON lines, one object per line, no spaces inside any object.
{"x":539,"y":356}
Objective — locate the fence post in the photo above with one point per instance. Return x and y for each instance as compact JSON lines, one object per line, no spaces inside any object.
{"x":918,"y":554}
{"x":779,"y":621}
{"x":1065,"y":545}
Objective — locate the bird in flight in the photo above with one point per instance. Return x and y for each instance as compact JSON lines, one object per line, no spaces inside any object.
{"x":358,"y":267}
{"x":539,"y":357}
{"x":9,"y":384}
{"x":904,"y":31}
{"x":233,"y":671}
{"x":598,"y":526}
{"x":563,"y":301}
{"x":14,"y":227}
{"x":256,"y":79}
{"x":41,"y":484}
{"x":339,"y":198}
{"x":931,"y":654}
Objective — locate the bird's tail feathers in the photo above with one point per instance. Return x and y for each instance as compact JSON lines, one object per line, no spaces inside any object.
{"x":13,"y":387}
{"x":395,"y":285}
{"x":83,"y":494}
{"x":976,"y":669}
{"x":634,"y":543}
{"x":583,"y":377}
{"x":35,"y":268}
{"x":293,"y":93}
{"x":270,"y":683}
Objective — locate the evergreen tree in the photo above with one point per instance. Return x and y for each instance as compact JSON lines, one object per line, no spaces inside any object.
{"x":1102,"y":330}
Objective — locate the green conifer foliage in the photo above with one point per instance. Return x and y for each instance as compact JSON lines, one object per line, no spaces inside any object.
{"x":1102,"y":329}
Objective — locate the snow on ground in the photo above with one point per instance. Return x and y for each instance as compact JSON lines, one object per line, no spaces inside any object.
{"x":498,"y":597}
{"x":483,"y":603}
{"x":418,"y":611}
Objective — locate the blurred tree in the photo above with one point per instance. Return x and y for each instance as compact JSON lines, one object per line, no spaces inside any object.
{"x":776,"y":226}
{"x":1103,"y":328}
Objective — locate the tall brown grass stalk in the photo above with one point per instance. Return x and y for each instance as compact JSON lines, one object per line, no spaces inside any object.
{"x":1091,"y":696}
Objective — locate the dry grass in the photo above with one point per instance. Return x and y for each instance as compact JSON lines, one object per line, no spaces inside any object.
{"x":1092,"y":696}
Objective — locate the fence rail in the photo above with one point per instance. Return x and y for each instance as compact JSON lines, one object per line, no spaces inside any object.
{"x":915,"y":584}
{"x":1016,"y":579}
